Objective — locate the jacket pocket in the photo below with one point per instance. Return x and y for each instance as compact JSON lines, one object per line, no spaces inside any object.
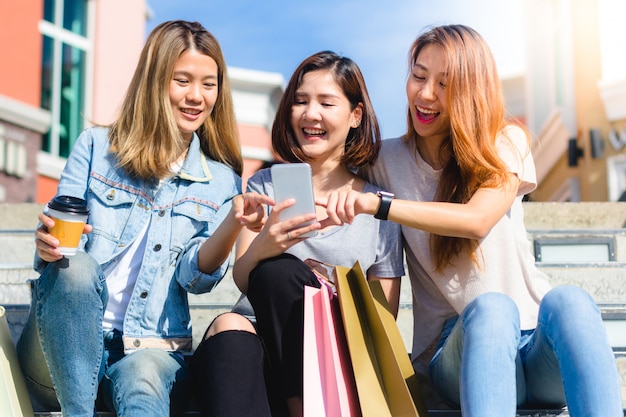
{"x":193,"y":219}
{"x":110,"y":208}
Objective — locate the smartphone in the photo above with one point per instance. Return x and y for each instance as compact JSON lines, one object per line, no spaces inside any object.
{"x":294,"y":181}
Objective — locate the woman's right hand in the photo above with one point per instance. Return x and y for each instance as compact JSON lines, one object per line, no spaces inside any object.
{"x":46,"y":244}
{"x":273,"y":239}
{"x":249,"y":209}
{"x":277,"y":236}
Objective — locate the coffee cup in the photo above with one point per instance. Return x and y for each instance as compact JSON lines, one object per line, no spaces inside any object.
{"x":69,"y":215}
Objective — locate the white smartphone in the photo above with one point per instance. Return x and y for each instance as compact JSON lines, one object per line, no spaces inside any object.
{"x":294,"y":181}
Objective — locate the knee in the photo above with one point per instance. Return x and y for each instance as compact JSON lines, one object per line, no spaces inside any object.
{"x":76,"y":270}
{"x":568,"y":301}
{"x":72,"y":276}
{"x":268,"y":269}
{"x":492,"y":320}
{"x":229,"y":321}
{"x":147,"y":380}
{"x":146,"y":367}
{"x":494,"y":308}
{"x":279,"y":274}
{"x":493,"y":304}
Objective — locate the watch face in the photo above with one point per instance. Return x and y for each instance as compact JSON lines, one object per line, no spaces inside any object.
{"x":385,"y":193}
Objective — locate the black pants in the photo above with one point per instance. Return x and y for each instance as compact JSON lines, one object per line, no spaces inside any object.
{"x":276,"y":292}
{"x":227,"y":376}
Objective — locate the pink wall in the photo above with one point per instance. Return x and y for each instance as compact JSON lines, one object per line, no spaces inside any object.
{"x":119,"y":37}
{"x":20,"y":50}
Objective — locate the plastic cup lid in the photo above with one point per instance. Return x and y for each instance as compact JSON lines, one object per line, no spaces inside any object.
{"x":69,"y":204}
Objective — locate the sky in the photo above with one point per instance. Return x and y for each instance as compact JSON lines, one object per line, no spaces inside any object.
{"x":276,"y":35}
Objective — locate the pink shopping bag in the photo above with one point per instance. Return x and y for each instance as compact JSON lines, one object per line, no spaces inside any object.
{"x":329,"y":388}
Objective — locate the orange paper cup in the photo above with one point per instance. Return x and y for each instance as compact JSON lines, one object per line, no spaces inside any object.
{"x":69,"y":215}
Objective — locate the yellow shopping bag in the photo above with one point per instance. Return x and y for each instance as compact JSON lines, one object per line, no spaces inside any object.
{"x":14,"y":400}
{"x":387,"y":385}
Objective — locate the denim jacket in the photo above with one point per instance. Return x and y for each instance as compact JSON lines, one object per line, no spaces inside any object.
{"x":183,"y":211}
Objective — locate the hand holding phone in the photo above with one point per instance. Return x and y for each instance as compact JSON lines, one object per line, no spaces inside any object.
{"x":294,"y":181}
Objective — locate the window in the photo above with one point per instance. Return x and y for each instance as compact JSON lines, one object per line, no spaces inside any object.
{"x":13,"y":159}
{"x":63,"y":72}
{"x":575,"y":250}
{"x":616,"y":173}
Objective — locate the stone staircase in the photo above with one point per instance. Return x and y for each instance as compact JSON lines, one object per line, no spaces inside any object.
{"x":575,"y":243}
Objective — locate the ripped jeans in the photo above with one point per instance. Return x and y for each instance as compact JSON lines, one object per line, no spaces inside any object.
{"x":67,"y":358}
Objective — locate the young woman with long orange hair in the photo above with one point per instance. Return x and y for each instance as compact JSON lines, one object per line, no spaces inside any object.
{"x":489,"y":330}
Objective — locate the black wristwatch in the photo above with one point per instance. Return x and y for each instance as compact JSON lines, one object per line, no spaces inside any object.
{"x":385,"y":204}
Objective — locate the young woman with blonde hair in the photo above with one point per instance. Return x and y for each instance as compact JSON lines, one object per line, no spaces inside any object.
{"x":488,"y":328}
{"x":163,"y":188}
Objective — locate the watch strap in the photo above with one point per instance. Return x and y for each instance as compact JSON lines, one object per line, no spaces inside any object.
{"x":385,"y":204}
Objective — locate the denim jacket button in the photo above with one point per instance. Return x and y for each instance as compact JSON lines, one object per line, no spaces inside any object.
{"x":137,"y":343}
{"x":143,"y":294}
{"x":157,"y":247}
{"x":161,"y":213}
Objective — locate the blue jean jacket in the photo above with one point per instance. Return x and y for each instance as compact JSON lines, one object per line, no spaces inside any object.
{"x":183,"y":211}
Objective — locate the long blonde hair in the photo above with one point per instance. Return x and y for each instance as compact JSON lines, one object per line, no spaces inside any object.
{"x":144,"y":136}
{"x":477,"y":116}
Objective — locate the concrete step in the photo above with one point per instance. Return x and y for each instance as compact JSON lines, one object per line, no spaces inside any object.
{"x":571,"y":223}
{"x":202,"y":315}
{"x":432,"y":413}
{"x":14,"y":287}
{"x":18,"y":246}
{"x":605,"y":283}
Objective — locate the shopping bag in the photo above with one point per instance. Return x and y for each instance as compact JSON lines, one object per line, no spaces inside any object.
{"x":386,"y":382}
{"x":14,"y":400}
{"x":328,"y":384}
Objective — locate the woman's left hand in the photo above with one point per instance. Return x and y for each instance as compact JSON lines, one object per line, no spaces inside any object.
{"x":250,"y":209}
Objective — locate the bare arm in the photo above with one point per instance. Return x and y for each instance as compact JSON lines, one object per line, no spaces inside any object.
{"x":272,"y":240}
{"x":245,"y":260}
{"x":247,"y":210}
{"x":391,"y":288}
{"x":472,"y":220}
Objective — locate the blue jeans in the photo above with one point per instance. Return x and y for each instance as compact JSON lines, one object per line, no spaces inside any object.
{"x":67,"y":358}
{"x":486,"y":366}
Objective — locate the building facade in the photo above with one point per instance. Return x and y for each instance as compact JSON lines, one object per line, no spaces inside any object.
{"x":22,"y":120}
{"x":575,"y":98}
{"x":74,"y":60}
{"x":69,"y":65}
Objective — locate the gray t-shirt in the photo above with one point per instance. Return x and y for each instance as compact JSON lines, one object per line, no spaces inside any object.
{"x":374,"y":243}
